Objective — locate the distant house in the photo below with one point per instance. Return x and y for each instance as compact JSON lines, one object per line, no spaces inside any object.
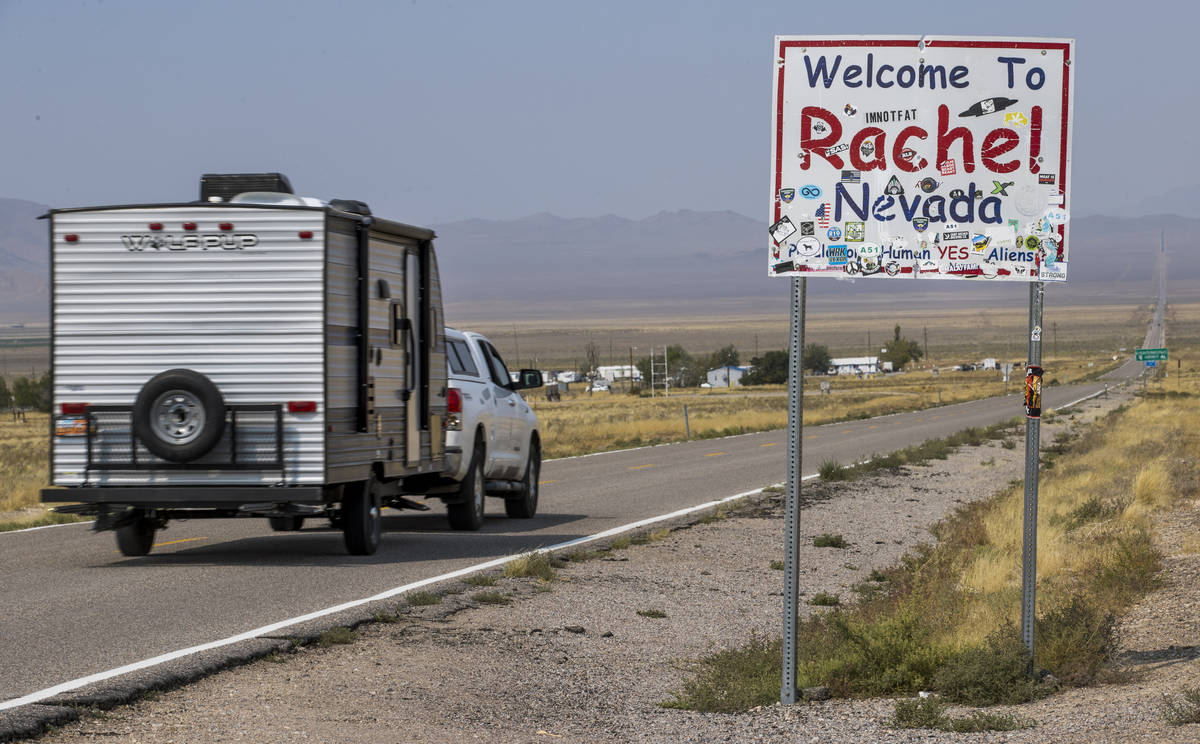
{"x":858,"y":365}
{"x":619,"y":372}
{"x":727,"y":376}
{"x":989,"y":363}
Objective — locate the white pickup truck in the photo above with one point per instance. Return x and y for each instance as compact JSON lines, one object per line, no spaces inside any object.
{"x":493,"y":447}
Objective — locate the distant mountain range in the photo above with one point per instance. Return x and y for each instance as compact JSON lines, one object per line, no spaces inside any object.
{"x":24,"y":260}
{"x":544,"y":260}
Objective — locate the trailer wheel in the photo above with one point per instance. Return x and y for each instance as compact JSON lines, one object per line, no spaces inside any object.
{"x":179,"y":415}
{"x":286,"y":524}
{"x":362,"y":520}
{"x":137,"y":537}
{"x":524,"y":505}
{"x":467,"y":514}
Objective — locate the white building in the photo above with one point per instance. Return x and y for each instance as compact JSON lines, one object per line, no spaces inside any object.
{"x":858,"y":365}
{"x":619,"y":372}
{"x":727,"y":376}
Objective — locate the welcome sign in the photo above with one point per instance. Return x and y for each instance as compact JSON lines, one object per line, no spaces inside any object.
{"x":921,"y":158}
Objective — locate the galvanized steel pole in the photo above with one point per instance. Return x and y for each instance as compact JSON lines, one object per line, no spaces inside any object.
{"x":1032,"y":432}
{"x":791,"y":572}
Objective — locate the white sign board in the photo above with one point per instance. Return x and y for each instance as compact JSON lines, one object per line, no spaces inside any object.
{"x":921,"y":158}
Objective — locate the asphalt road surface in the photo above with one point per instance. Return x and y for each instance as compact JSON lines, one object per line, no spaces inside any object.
{"x":73,"y":606}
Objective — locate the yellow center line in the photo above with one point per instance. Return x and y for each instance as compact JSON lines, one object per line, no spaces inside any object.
{"x":542,"y":483}
{"x":814,"y":436}
{"x":173,"y":542}
{"x":640,"y":467}
{"x":714,"y":454}
{"x":873,"y":426}
{"x":176,"y":542}
{"x":772,"y":444}
{"x":847,"y":431}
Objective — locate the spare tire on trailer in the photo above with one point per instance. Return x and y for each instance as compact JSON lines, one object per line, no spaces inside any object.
{"x":179,"y":415}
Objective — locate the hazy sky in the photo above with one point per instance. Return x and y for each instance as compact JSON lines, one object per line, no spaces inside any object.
{"x":435,"y":111}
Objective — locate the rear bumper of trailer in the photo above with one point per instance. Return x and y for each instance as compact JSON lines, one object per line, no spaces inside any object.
{"x":186,"y":497}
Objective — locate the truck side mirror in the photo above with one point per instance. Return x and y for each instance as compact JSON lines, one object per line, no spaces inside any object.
{"x":528,"y":379}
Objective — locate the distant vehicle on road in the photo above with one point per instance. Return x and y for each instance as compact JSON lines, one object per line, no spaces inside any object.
{"x":493,"y":446}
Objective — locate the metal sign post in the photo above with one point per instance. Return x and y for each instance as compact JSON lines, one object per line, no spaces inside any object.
{"x":1032,"y":432}
{"x":791,"y":572}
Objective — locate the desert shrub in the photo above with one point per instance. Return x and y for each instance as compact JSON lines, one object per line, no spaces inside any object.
{"x":733,"y":680}
{"x":994,"y":673}
{"x":826,"y":540}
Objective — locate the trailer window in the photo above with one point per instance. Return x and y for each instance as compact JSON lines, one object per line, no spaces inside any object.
{"x":460,"y":359}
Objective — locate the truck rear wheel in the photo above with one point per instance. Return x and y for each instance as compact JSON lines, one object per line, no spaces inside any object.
{"x":467,"y":514}
{"x":362,"y":518}
{"x":137,"y":537}
{"x":179,"y":415}
{"x":524,"y":505}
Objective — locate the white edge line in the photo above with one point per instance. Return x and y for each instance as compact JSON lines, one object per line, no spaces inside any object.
{"x":75,"y":684}
{"x":45,"y":527}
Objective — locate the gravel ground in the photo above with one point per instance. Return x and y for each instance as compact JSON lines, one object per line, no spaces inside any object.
{"x":574,"y":661}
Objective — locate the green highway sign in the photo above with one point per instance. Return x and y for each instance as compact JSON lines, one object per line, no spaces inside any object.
{"x":1150,"y":355}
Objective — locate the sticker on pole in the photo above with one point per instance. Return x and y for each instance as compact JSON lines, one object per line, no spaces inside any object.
{"x":1033,"y":392}
{"x":927,"y":157}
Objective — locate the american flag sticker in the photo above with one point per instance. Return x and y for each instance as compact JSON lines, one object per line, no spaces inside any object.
{"x":823,"y":215}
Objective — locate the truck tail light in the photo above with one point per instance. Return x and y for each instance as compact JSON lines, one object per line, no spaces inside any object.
{"x":156,"y":226}
{"x":302,"y":406}
{"x":226,"y":226}
{"x":189,"y":226}
{"x":453,"y":409}
{"x":306,"y":234}
{"x":74,"y":408}
{"x":71,"y":238}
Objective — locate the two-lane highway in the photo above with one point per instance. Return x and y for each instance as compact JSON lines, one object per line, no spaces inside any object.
{"x":75,"y":606}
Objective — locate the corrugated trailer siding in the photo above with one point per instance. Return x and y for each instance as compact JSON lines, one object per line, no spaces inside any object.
{"x":250,"y":320}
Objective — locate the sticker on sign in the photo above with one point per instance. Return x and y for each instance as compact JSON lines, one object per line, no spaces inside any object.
{"x":974,"y":132}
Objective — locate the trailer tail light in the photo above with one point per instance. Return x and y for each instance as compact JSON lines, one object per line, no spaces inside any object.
{"x":453,"y":409}
{"x":74,"y":408}
{"x":155,"y":225}
{"x":189,"y":226}
{"x":302,"y":406}
{"x":306,"y":234}
{"x":72,"y":238}
{"x":226,"y":226}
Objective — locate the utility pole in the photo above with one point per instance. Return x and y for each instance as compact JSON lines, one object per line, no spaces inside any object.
{"x":1054,"y":330}
{"x":516,"y":347}
{"x":756,"y":345}
{"x":666,"y":375}
{"x":868,"y":343}
{"x":926,"y":331}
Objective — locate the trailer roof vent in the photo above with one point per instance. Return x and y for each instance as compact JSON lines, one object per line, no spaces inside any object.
{"x":352,"y":206}
{"x":225,"y":186}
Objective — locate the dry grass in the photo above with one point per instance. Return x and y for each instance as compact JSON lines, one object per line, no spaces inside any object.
{"x":24,"y":449}
{"x":944,"y":604}
{"x":1092,"y":510}
{"x":583,"y":423}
